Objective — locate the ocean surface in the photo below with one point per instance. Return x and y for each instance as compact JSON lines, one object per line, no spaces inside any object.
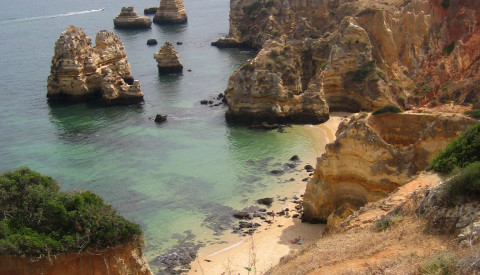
{"x":177,"y":180}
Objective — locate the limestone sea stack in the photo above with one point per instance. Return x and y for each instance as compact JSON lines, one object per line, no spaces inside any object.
{"x":167,"y":59}
{"x":80,"y":71}
{"x":170,"y":12}
{"x":129,"y":19}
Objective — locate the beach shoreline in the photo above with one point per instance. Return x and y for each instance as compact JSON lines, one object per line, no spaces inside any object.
{"x":270,"y":242}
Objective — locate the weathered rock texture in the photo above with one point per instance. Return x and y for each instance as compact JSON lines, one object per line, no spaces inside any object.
{"x":80,"y":71}
{"x":272,"y":88}
{"x":373,"y":155}
{"x":364,"y":54}
{"x":129,"y":19}
{"x":124,"y":259}
{"x":170,"y":12}
{"x":167,"y":59}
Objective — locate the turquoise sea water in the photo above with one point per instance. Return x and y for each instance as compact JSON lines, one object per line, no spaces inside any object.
{"x":172,"y":178}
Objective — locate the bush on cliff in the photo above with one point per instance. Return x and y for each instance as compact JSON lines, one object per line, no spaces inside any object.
{"x":465,"y":183}
{"x":38,"y":220}
{"x":459,"y":153}
{"x":473,"y":114}
{"x":387,"y":109}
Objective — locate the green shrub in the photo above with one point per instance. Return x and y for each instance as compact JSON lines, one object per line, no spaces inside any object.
{"x":388,"y":221}
{"x":459,"y":152}
{"x":387,"y":109}
{"x":248,"y":10}
{"x":440,"y":265}
{"x":445,"y":4}
{"x":449,"y":48}
{"x":248,"y":67}
{"x":39,"y":220}
{"x":360,"y":74}
{"x":473,"y":113}
{"x":464,"y":183}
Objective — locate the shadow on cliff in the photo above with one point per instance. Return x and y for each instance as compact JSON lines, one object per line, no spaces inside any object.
{"x":307,"y":231}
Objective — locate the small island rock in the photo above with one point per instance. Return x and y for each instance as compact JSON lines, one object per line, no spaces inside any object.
{"x":129,"y":19}
{"x":151,"y":10}
{"x":160,"y":118}
{"x":170,"y":12}
{"x":167,"y":59}
{"x":152,"y":42}
{"x":80,"y":71}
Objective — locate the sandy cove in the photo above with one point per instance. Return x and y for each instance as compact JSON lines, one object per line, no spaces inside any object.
{"x":264,"y":248}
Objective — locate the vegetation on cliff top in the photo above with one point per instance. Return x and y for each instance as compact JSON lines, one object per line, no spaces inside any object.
{"x":387,"y":109}
{"x":459,"y":153}
{"x":36,"y":219}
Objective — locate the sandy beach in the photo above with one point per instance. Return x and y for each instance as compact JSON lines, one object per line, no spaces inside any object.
{"x":264,"y":248}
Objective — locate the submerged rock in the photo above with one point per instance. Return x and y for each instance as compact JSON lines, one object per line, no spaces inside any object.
{"x":129,"y":19}
{"x":80,"y":71}
{"x":170,"y":12}
{"x":265,"y":201}
{"x":167,"y":59}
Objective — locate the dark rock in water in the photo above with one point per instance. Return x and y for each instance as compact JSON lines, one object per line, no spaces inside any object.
{"x":241,"y":215}
{"x":210,"y":102}
{"x":204,"y":102}
{"x":305,"y":179}
{"x":290,"y":165}
{"x":151,"y":10}
{"x":309,"y":168}
{"x":151,"y":42}
{"x":178,"y":259}
{"x":245,"y":224}
{"x":220,"y":96}
{"x":265,"y":201}
{"x":179,"y":43}
{"x":160,"y":118}
{"x":294,"y":158}
{"x":229,"y":43}
{"x":262,"y":210}
{"x":295,"y":216}
{"x":277,"y":172}
{"x":281,"y":213}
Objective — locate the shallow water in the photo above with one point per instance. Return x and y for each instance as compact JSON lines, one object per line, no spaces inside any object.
{"x":174,"y":179}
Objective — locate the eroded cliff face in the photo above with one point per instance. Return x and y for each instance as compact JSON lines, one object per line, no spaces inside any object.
{"x":124,"y":259}
{"x":373,"y":155}
{"x":365,"y":54}
{"x":270,"y":88}
{"x":80,"y":71}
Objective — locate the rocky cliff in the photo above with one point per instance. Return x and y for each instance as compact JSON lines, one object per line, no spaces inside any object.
{"x":167,"y":59}
{"x":80,"y":71}
{"x":360,"y":55}
{"x":272,"y":88}
{"x":170,"y":12}
{"x":124,"y":259}
{"x":373,"y":155}
{"x":129,"y":19}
